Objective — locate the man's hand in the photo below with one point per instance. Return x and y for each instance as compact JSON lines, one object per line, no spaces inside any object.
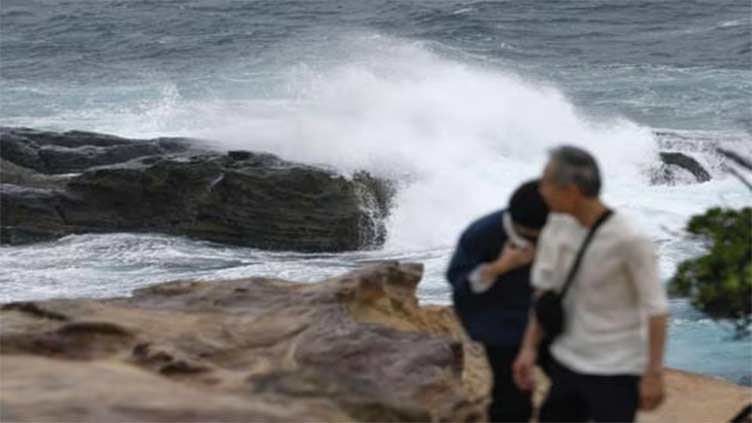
{"x":512,"y":257}
{"x":523,"y":367}
{"x":652,"y":391}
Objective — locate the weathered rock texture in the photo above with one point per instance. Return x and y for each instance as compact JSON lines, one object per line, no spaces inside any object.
{"x":353,"y":348}
{"x":168,"y":186}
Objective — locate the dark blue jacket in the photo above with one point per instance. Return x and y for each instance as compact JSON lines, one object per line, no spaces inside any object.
{"x":499,"y":315}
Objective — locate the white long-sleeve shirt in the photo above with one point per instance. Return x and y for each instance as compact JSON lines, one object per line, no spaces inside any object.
{"x":608,"y":304}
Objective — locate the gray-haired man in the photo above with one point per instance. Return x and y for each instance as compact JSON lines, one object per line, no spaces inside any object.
{"x":608,"y":362}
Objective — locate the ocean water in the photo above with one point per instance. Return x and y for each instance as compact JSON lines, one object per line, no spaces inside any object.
{"x":456,"y":101}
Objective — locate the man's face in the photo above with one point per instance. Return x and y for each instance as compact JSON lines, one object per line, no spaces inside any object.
{"x":560,"y":199}
{"x":529,"y":234}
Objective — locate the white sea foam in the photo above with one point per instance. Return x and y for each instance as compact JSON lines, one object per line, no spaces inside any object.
{"x":457,"y":138}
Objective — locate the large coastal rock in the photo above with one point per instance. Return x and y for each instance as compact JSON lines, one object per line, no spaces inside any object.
{"x":353,"y":348}
{"x":241,"y":198}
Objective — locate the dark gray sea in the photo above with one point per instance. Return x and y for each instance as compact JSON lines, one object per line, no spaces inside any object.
{"x":456,"y":101}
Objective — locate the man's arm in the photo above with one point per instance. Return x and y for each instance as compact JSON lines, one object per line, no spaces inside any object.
{"x":463,"y":261}
{"x":642,"y":263}
{"x":543,"y":276}
{"x":652,"y":390}
{"x":656,"y":342}
{"x":523,"y":366}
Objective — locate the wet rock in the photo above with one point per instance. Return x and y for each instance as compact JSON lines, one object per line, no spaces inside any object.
{"x":239,"y":155}
{"x":243,"y":198}
{"x":40,"y":207}
{"x":678,"y":168}
{"x":75,"y":151}
{"x":10,"y":173}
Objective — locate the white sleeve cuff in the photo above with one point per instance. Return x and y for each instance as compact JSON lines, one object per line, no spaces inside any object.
{"x":479,"y":284}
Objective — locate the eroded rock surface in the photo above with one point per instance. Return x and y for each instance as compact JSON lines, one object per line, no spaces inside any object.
{"x":357,"y":347}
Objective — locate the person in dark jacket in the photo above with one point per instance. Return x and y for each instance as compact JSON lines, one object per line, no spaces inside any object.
{"x":490,"y":278}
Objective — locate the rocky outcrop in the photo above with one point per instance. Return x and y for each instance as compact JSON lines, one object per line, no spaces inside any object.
{"x":678,"y":167}
{"x":358,"y":347}
{"x":353,"y":348}
{"x":241,"y":197}
{"x":696,"y":157}
{"x":679,"y":156}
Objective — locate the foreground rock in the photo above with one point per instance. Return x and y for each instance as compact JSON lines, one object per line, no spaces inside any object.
{"x":168,"y":186}
{"x":353,"y":348}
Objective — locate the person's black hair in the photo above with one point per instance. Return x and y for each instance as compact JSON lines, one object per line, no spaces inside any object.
{"x":527,"y":206}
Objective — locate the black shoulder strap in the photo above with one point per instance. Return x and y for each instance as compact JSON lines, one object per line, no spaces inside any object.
{"x":573,"y":271}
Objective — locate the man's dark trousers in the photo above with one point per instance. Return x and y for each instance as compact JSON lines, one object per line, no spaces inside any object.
{"x":577,"y":397}
{"x":497,"y":317}
{"x":508,"y":403}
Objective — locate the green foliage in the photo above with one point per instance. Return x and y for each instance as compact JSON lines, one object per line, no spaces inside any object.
{"x":719,"y":283}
